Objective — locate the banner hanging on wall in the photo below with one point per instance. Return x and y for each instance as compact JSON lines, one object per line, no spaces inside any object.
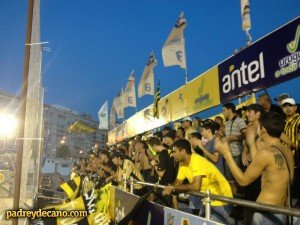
{"x":269,"y":61}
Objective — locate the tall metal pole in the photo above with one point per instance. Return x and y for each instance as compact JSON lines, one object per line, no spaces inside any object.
{"x":22,"y":111}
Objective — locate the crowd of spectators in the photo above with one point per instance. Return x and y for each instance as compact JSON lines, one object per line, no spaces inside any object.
{"x":252,"y":155}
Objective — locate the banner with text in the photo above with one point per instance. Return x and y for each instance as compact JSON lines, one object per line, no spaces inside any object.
{"x":269,"y":61}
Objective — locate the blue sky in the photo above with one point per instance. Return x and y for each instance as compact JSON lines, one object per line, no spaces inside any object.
{"x":95,"y":44}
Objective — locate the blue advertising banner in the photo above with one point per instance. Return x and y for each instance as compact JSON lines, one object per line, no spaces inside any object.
{"x":269,"y":61}
{"x":175,"y":217}
{"x":152,"y":214}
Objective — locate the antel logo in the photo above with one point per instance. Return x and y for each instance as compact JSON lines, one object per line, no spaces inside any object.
{"x":244,"y":75}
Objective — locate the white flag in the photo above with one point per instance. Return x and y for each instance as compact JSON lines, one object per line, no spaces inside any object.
{"x":173,"y":51}
{"x":118,"y":105}
{"x":129,"y":92}
{"x":146,"y":85}
{"x":245,"y":12}
{"x":112,"y":117}
{"x":103,"y":116}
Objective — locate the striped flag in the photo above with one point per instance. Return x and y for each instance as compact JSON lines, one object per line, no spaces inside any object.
{"x":146,"y":85}
{"x":103,"y":116}
{"x":245,"y":12}
{"x":129,"y":92}
{"x":173,"y":51}
{"x":156,"y":100}
{"x":80,"y":127}
{"x":72,"y":187}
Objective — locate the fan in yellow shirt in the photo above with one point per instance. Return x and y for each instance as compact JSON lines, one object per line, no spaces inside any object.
{"x":202,"y":176}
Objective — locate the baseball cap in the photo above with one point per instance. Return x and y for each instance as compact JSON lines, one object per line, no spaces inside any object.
{"x":187,"y":118}
{"x":255,"y":107}
{"x":290,"y":101}
{"x":282,"y":96}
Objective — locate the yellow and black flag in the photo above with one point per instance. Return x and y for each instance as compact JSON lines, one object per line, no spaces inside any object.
{"x":72,"y":187}
{"x":80,"y":127}
{"x":94,"y":206}
{"x":156,"y":100}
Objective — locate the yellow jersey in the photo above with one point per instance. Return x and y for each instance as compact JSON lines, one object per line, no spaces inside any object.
{"x":212,"y":178}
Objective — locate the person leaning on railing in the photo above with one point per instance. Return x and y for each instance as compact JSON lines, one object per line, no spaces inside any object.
{"x":202,"y":175}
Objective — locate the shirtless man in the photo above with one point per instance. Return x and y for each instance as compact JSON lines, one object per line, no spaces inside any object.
{"x":273,"y":161}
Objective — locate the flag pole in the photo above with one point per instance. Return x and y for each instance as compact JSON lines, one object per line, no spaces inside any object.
{"x":22,"y":113}
{"x":186,"y":75}
{"x":185,"y":69}
{"x":249,"y":38}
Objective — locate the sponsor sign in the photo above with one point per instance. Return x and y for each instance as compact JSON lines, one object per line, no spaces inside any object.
{"x":269,"y":61}
{"x":152,"y":214}
{"x":180,"y":103}
{"x":203,"y":91}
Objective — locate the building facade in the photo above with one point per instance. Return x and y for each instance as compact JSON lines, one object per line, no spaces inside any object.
{"x":57,"y":119}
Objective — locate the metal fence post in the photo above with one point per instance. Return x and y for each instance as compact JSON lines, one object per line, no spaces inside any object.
{"x":125,"y":185}
{"x":131,"y":185}
{"x":207,"y":205}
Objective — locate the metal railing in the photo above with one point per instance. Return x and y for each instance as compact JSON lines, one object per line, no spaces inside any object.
{"x":208,"y":198}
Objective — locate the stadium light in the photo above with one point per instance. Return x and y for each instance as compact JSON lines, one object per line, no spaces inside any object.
{"x":8,"y":125}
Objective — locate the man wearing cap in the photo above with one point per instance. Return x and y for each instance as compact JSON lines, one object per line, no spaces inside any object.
{"x":283,"y":96}
{"x":253,"y":113}
{"x":251,"y":191}
{"x":292,"y":130}
{"x":186,"y":123}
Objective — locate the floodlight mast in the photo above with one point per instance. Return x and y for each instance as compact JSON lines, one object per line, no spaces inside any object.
{"x":22,"y":111}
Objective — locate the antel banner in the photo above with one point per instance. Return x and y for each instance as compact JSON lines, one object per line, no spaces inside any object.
{"x":269,"y":61}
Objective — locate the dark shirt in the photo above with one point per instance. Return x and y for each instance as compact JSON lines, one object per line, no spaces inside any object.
{"x":166,"y":163}
{"x":278,"y":109}
{"x":199,"y":151}
{"x":210,"y":147}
